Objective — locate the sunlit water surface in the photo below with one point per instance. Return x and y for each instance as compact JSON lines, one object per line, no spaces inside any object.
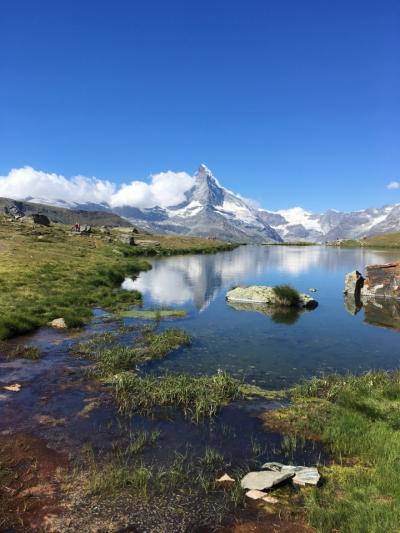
{"x":271,"y":351}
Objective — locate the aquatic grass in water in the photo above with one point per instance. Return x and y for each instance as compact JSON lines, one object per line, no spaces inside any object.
{"x":19,"y":352}
{"x":197,"y":397}
{"x":149,"y":345}
{"x":153,"y":314}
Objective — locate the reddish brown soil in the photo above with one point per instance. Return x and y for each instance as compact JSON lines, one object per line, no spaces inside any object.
{"x":30,"y":488}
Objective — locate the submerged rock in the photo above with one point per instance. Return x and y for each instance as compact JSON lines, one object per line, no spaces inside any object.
{"x":261,"y":294}
{"x":302,"y":475}
{"x":265,"y":479}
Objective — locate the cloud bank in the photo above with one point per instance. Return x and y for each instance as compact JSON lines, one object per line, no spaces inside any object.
{"x":393,"y":185}
{"x":163,"y":189}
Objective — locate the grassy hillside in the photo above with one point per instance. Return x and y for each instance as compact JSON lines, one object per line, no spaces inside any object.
{"x":66,"y":216}
{"x":51,"y":272}
{"x":386,"y":240}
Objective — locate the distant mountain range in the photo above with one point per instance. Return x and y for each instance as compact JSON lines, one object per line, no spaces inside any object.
{"x":212,"y":210}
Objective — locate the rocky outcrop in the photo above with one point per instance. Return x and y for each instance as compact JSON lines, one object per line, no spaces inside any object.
{"x":41,"y":220}
{"x":378,"y":294}
{"x":381,"y":281}
{"x":259,"y":294}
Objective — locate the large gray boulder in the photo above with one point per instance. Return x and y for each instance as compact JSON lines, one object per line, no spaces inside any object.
{"x":42,"y":220}
{"x":261,"y":294}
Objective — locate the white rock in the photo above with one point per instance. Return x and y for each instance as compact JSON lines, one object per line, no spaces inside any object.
{"x":303,"y":475}
{"x":270,"y":499}
{"x":261,"y":294}
{"x":58,"y":323}
{"x":225,"y":478}
{"x":264,"y":479}
{"x":256,"y":494}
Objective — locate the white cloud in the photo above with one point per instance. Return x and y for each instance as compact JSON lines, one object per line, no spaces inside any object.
{"x":393,"y":185}
{"x":164,"y":189}
{"x":254,"y":204}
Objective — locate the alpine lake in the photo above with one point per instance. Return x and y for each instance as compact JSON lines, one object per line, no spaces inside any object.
{"x":272,"y":350}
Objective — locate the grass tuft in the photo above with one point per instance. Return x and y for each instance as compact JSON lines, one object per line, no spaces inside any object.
{"x":287,"y":295}
{"x":197,"y":397}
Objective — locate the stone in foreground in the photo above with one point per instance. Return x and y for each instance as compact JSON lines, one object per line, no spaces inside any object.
{"x":261,"y":294}
{"x":264,"y":480}
{"x":303,"y":475}
{"x":226,"y":478}
{"x":58,"y":323}
{"x":256,"y":494}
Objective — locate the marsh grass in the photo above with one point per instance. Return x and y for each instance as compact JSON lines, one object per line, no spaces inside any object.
{"x":287,"y":295}
{"x":153,"y":314}
{"x":197,"y":397}
{"x":19,"y":352}
{"x":150,"y":344}
{"x":124,"y":470}
{"x":357,"y":418}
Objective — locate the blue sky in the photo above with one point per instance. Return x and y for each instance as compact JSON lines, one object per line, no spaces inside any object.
{"x":289,"y":102}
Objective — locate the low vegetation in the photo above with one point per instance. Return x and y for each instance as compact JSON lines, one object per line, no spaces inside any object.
{"x":109,"y":358}
{"x":115,"y":364}
{"x":196,"y":397}
{"x":357,"y":418}
{"x":51,"y":272}
{"x":153,"y":314}
{"x":287,"y":295}
{"x":385,"y":240}
{"x":19,"y":352}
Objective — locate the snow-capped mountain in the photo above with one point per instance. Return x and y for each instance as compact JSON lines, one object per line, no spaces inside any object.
{"x":298,"y":224}
{"x":209,"y":209}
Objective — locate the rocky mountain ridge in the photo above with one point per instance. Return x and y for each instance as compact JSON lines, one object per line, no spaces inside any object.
{"x":211,"y":210}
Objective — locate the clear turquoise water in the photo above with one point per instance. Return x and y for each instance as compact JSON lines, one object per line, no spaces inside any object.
{"x":253,"y":346}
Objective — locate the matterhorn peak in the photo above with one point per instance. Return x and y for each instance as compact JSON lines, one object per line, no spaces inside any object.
{"x":204,"y":170}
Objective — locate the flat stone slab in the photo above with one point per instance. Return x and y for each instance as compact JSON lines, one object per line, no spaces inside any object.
{"x":265,"y":479}
{"x":256,"y":494}
{"x":302,"y":475}
{"x":262,"y":294}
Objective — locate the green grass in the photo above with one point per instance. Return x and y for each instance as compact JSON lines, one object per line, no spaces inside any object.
{"x":287,"y":295}
{"x":19,"y":352}
{"x":386,"y":240}
{"x":357,"y":418}
{"x":196,"y":397}
{"x":153,"y":314}
{"x":62,"y":275}
{"x":110,"y":359}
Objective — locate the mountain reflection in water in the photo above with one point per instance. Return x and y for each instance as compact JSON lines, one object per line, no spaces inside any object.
{"x":269,"y":347}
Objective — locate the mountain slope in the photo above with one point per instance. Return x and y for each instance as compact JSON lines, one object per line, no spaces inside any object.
{"x":209,"y":210}
{"x":65,"y":215}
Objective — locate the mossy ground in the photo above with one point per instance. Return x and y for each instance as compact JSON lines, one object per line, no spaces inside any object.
{"x":357,"y":419}
{"x":49,"y":272}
